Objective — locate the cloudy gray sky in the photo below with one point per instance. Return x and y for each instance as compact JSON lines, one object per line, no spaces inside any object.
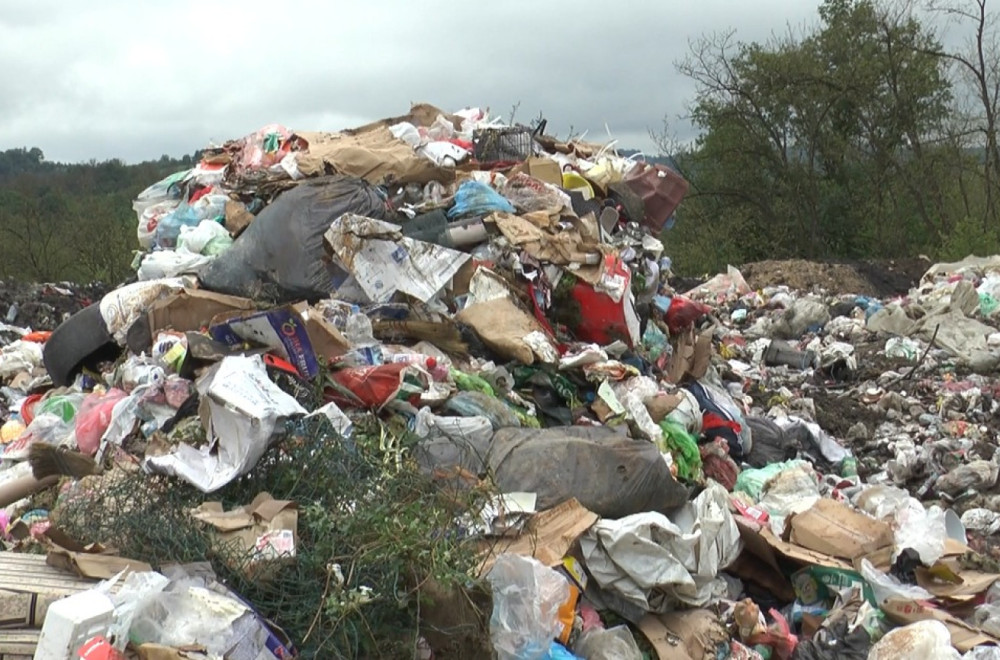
{"x":134,"y":80}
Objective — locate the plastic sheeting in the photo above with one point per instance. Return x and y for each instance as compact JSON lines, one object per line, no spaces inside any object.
{"x":659,"y":563}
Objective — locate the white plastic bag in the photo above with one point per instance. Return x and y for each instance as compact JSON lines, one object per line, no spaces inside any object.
{"x":171,"y":263}
{"x":923,"y":639}
{"x":923,"y":530}
{"x":616,"y":643}
{"x":886,"y":586}
{"x":196,"y":239}
{"x":527,"y":595}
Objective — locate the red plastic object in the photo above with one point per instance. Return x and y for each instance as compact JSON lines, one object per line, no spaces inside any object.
{"x":683,"y":313}
{"x":28,"y":408}
{"x":661,"y":190}
{"x":98,"y":648}
{"x":370,"y":387}
{"x":37,"y":337}
{"x":602,"y":319}
{"x":93,"y":419}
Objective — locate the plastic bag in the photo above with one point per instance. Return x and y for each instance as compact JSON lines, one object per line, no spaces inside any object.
{"x":923,"y":530}
{"x":683,"y":447}
{"x":527,"y":596}
{"x":47,"y":428}
{"x":770,"y":443}
{"x":137,"y":592}
{"x":19,"y":356}
{"x":283,"y":253}
{"x":752,"y":482}
{"x":207,"y":207}
{"x":923,"y":639}
{"x":93,"y":419}
{"x":887,"y":586}
{"x":608,"y":473}
{"x":474,"y":198}
{"x":529,"y":194}
{"x":881,"y":501}
{"x":987,"y":617}
{"x":616,"y":643}
{"x":149,"y":219}
{"x":166,"y":191}
{"x":790,"y":491}
{"x":170,"y":263}
{"x":684,"y":313}
{"x":982,"y":653}
{"x":208,"y":238}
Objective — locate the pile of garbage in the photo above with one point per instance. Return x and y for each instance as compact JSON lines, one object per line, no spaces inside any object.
{"x":722,"y":472}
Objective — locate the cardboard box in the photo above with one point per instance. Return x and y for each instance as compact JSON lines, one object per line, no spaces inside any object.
{"x":834,"y":529}
{"x":292,"y":331}
{"x":192,"y":309}
{"x":543,"y":169}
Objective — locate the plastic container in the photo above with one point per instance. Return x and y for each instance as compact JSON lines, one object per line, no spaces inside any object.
{"x":573,"y":182}
{"x":71,"y":622}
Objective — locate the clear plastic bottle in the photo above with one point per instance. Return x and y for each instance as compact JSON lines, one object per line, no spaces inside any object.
{"x":365,"y":349}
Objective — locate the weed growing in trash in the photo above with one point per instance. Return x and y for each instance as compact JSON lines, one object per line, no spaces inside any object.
{"x":373,"y":532}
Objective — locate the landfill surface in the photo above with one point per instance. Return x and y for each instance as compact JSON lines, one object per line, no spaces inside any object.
{"x":788,"y":460}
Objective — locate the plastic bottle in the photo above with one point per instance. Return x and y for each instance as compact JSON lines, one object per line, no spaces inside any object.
{"x":365,"y":349}
{"x":428,"y":363}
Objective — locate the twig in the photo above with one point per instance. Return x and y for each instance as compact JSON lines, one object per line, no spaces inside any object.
{"x":913,"y":369}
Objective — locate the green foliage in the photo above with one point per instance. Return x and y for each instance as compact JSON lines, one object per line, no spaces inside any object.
{"x":833,"y":144}
{"x":969,"y":237}
{"x":70,"y":222}
{"x":374,"y":535}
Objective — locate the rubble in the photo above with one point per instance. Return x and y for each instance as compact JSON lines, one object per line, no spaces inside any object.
{"x":472,"y":330}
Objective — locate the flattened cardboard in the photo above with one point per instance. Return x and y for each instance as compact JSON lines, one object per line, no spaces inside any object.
{"x":548,"y":537}
{"x":192,"y":309}
{"x":963,"y":636}
{"x":375,"y":155}
{"x":692,"y":356}
{"x":327,"y":341}
{"x":160,"y":652}
{"x":764,"y":543}
{"x":243,"y":528}
{"x":833,"y":529}
{"x":972,"y":585}
{"x":563,"y":248}
{"x":93,"y":565}
{"x":543,"y":169}
{"x":685,"y":635}
{"x":238,"y":217}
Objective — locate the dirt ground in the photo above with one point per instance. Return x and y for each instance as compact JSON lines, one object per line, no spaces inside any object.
{"x":882,"y":279}
{"x":44,"y":306}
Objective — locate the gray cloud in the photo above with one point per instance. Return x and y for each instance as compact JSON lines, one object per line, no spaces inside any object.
{"x":136,"y":80}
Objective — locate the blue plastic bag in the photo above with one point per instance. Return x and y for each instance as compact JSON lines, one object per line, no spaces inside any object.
{"x":474,"y":198}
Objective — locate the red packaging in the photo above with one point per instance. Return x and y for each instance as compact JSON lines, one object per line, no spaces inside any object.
{"x":683,"y":313}
{"x":602,"y":318}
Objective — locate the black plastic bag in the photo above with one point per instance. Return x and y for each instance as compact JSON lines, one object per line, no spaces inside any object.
{"x":281,"y":256}
{"x":770,"y":443}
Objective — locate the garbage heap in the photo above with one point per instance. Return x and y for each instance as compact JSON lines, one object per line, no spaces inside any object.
{"x":422,"y":389}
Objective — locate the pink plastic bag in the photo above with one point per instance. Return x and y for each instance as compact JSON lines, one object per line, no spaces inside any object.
{"x":93,"y":419}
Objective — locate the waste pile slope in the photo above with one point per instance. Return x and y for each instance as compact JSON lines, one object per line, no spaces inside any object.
{"x":423,"y":389}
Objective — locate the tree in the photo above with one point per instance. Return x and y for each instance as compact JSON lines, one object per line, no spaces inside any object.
{"x":978,"y":66}
{"x":824,"y":144}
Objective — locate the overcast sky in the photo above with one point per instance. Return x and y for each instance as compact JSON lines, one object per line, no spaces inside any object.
{"x":135,"y":80}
